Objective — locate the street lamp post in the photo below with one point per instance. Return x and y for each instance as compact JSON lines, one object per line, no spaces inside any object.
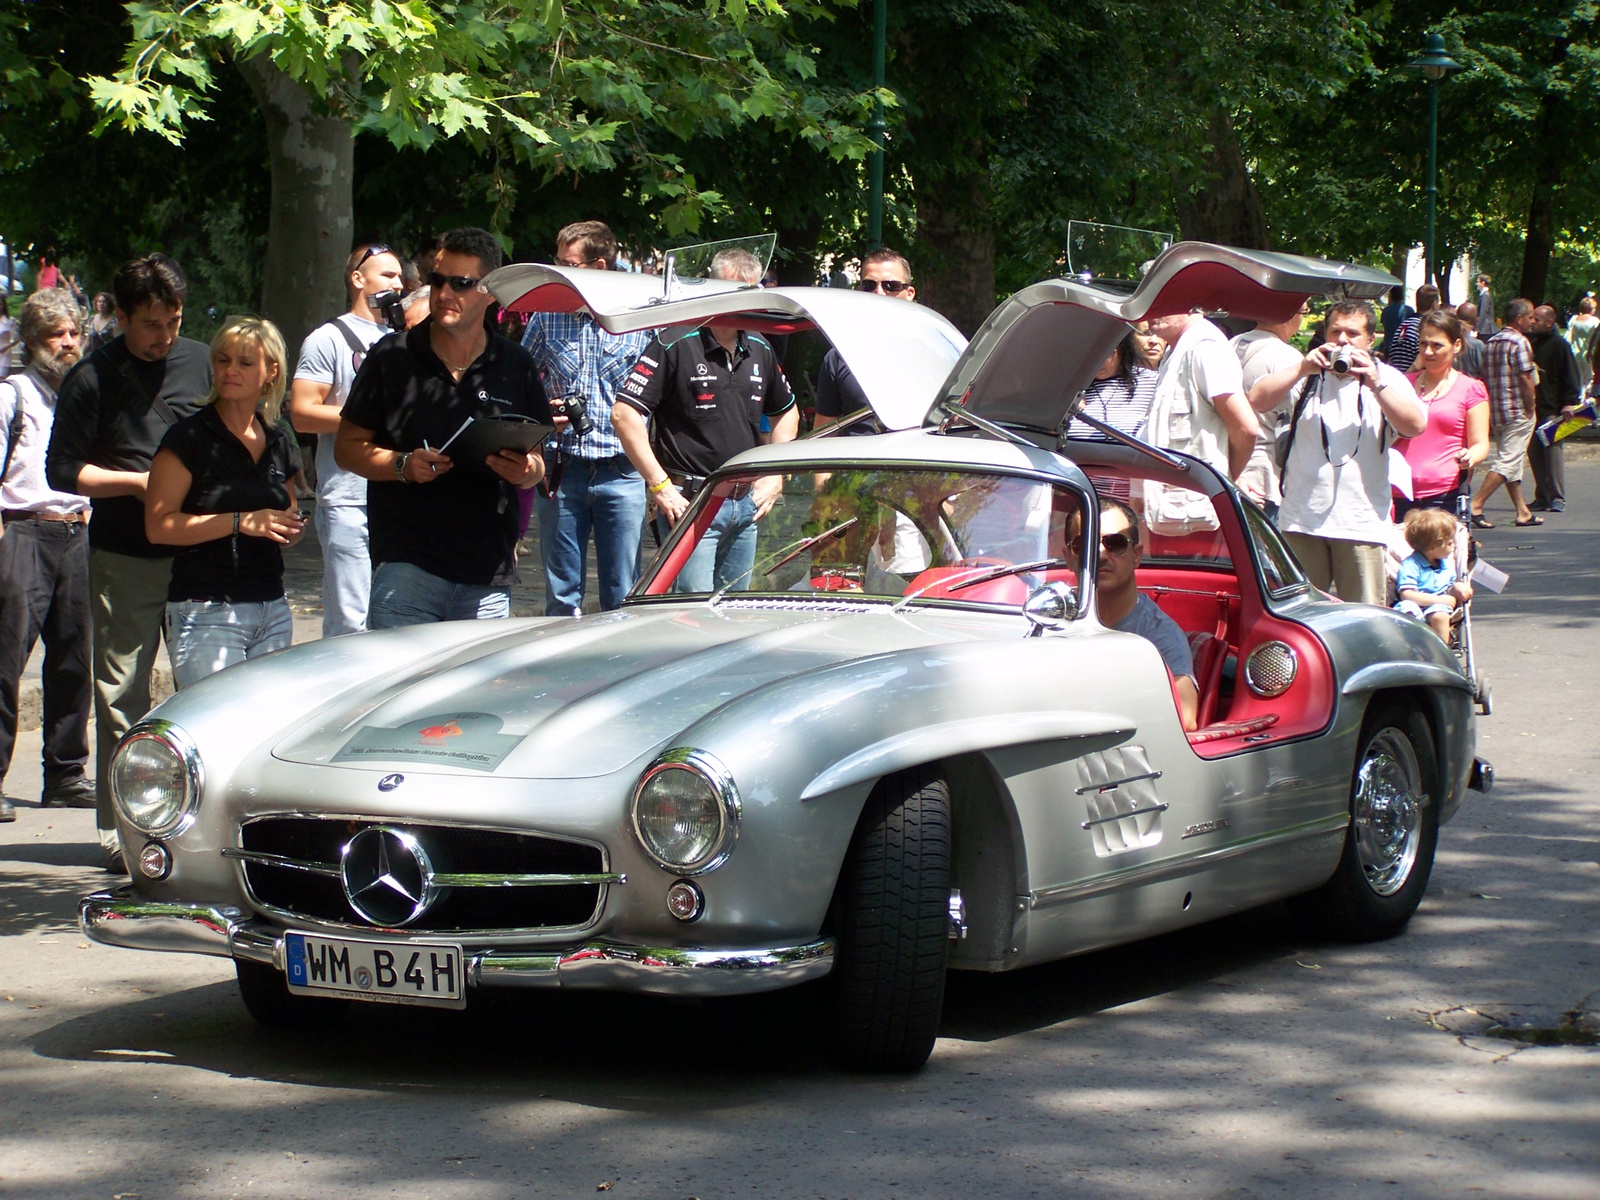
{"x":1434,"y":64}
{"x":876,"y":129}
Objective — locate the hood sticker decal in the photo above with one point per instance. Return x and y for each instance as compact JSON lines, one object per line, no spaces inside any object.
{"x":463,"y":739}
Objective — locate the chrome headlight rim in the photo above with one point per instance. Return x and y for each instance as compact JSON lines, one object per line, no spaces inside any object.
{"x":188,"y":755}
{"x":709,"y":768}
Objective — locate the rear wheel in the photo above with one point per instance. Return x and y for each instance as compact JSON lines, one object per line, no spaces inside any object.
{"x":270,"y":1002}
{"x":891,"y":918}
{"x":1394,"y":827}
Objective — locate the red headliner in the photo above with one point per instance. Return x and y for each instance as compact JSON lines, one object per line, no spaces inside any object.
{"x":1216,"y":287}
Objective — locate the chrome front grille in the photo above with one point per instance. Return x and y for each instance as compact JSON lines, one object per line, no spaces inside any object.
{"x":485,"y":879}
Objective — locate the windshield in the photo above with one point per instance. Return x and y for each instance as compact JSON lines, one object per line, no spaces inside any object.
{"x":886,"y":533}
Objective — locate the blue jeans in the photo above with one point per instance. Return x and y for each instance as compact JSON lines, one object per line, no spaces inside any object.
{"x":403,"y":594}
{"x":606,"y":496}
{"x":346,"y":568}
{"x":725,"y":553}
{"x":205,"y":636}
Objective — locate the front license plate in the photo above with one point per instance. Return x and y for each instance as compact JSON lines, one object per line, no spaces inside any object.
{"x":387,"y":972}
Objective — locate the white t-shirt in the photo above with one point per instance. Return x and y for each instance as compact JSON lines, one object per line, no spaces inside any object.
{"x":1201,"y":366}
{"x":25,"y":488}
{"x":1336,"y":482}
{"x":1262,"y":354}
{"x":326,"y":356}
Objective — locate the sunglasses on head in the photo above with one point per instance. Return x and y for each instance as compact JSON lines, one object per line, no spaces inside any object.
{"x":892,"y":286}
{"x":459,"y":283}
{"x":1112,"y":543}
{"x":375,"y":248}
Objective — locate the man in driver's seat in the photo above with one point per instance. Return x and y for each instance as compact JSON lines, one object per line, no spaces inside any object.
{"x":1121,"y":606}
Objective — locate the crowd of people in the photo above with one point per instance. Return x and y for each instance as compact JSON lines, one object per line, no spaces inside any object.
{"x":188,"y":457}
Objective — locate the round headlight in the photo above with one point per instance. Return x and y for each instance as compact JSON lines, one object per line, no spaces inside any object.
{"x":155,"y":779}
{"x":686,"y":812}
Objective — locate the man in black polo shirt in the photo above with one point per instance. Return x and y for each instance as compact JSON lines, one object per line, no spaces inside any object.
{"x":443,"y":530}
{"x":707,"y":391}
{"x":113,"y":410}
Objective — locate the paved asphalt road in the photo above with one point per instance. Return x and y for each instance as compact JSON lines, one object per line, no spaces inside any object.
{"x":1236,"y":1060}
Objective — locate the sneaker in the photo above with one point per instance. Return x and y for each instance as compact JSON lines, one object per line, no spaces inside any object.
{"x":71,"y":793}
{"x":8,"y":810}
{"x":115,"y":863}
{"x":1558,"y":506}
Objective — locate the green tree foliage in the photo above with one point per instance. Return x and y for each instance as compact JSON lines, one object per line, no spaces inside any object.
{"x":565,"y":86}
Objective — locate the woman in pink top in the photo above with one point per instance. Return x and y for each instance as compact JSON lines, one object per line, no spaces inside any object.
{"x":1456,"y":440}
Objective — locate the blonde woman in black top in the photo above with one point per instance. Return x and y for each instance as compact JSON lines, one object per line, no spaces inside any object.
{"x":220,"y":489}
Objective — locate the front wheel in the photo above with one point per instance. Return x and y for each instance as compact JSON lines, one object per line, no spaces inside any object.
{"x":1394,"y":828}
{"x":891,"y":917}
{"x":269,"y":1001}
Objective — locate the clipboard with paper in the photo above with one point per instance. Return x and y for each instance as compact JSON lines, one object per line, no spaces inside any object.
{"x":479,"y":437}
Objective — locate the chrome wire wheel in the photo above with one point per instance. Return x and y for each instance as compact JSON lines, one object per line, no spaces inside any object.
{"x":1387,"y":811}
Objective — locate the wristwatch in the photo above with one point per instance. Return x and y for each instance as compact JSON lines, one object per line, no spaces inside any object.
{"x":400,"y":466}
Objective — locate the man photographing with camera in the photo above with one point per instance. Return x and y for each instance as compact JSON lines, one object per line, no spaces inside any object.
{"x":329,"y":359}
{"x":1346,"y":410}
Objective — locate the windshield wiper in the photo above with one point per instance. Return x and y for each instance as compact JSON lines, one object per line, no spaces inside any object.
{"x":787,"y":554}
{"x":981,"y":575}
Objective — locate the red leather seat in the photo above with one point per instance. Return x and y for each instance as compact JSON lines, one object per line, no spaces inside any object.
{"x":1210,"y":654}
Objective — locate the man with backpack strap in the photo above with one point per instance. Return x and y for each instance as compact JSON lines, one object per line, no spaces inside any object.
{"x":44,"y":559}
{"x":329,"y":359}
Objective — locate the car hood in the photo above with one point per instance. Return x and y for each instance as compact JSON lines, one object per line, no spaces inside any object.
{"x":901,"y":354}
{"x":576,"y":699}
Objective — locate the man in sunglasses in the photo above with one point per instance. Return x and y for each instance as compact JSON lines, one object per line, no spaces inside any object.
{"x":443,"y":529}
{"x":329,"y":359}
{"x":592,"y":487}
{"x":1121,"y":605}
{"x":886,"y":273}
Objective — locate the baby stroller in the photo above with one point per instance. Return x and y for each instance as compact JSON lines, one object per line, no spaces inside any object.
{"x":1461,"y":620}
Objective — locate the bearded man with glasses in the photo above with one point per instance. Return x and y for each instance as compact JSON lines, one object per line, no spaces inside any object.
{"x":887,"y":273}
{"x":443,"y":530}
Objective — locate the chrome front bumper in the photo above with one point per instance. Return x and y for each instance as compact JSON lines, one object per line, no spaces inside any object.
{"x":121,"y":918}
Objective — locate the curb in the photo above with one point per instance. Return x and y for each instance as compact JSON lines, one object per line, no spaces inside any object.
{"x":30,"y":696}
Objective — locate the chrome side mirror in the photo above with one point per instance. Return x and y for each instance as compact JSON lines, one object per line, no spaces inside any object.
{"x":1050,"y":606}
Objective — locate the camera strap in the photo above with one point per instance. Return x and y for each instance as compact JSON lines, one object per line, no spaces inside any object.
{"x":357,"y":349}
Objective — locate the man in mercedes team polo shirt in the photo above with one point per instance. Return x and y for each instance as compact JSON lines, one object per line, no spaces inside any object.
{"x":707,"y":391}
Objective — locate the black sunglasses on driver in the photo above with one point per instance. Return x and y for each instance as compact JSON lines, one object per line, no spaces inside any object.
{"x":458,"y":283}
{"x":1114,"y":543}
{"x":892,"y":286}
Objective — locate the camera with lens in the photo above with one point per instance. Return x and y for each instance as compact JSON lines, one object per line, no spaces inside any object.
{"x":576,"y":410}
{"x":390,"y":305}
{"x":1341,"y":360}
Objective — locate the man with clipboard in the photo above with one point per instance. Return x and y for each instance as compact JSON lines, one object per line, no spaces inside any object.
{"x":441,"y":511}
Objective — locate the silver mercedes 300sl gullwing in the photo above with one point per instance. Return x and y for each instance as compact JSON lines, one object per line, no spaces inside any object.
{"x":902,"y":744}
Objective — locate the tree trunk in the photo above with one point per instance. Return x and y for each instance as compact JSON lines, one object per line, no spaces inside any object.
{"x":1222,"y":205}
{"x":310,"y":224}
{"x":1539,"y":242}
{"x":954,"y":254}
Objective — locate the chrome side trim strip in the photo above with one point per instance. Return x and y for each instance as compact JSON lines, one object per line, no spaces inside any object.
{"x":121,"y":918}
{"x":263,"y":859}
{"x":1122,"y":816}
{"x":1112,"y":784}
{"x":1184,"y":864}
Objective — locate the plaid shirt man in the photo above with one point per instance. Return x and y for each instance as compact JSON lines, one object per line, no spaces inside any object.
{"x":1509,"y":358}
{"x":578,"y":358}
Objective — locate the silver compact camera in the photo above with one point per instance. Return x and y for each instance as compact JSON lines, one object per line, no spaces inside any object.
{"x":1341,"y":360}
